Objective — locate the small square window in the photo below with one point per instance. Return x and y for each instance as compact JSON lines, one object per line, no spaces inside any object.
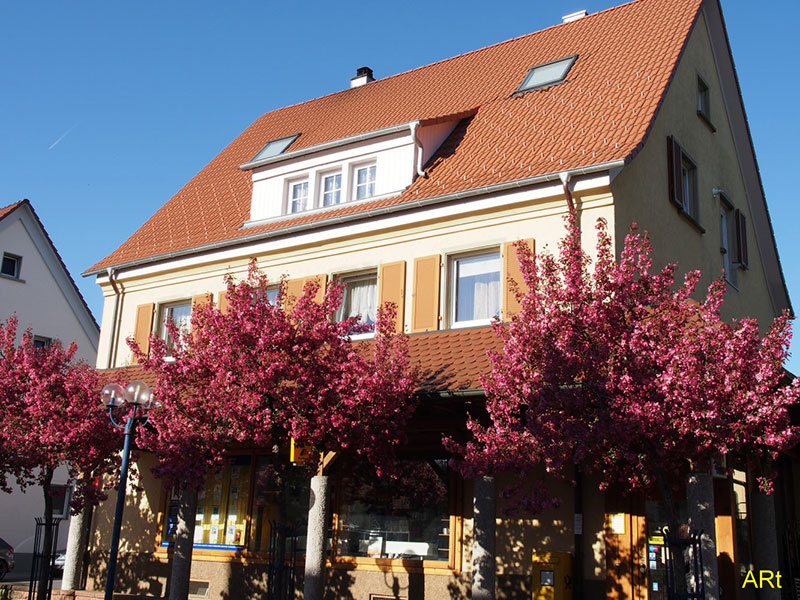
{"x":365,"y":182}
{"x":179,"y":313}
{"x":40,"y":341}
{"x":331,"y":189}
{"x":11,"y":265}
{"x":360,"y":298}
{"x":298,"y":196}
{"x":475,"y":288}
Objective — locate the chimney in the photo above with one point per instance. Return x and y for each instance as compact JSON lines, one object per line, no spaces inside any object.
{"x":363,"y":76}
{"x":573,"y":16}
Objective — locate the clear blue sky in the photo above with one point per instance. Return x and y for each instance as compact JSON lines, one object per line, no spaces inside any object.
{"x":108,"y":108}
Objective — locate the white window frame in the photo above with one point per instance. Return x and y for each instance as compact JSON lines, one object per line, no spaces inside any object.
{"x":452,"y":296}
{"x":355,"y":185}
{"x":290,"y":187}
{"x":353,"y":277}
{"x":63,"y":514}
{"x":162,"y":332}
{"x":17,"y":265}
{"x":727,"y":245}
{"x":342,"y":197}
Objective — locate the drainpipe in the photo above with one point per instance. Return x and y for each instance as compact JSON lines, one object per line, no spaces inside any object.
{"x":565,"y":176}
{"x":418,"y":150}
{"x":118,"y":296}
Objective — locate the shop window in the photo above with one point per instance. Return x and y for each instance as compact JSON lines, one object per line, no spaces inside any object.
{"x":407,"y":517}
{"x":264,"y":491}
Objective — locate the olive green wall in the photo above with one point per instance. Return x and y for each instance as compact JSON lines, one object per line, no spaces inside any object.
{"x":641,"y":188}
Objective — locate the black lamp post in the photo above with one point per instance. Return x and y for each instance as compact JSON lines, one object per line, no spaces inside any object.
{"x":137,"y":394}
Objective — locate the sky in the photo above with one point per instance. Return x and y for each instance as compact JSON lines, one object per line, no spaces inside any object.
{"x":108,"y":108}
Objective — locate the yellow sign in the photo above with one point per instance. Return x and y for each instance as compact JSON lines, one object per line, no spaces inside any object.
{"x":300,"y":454}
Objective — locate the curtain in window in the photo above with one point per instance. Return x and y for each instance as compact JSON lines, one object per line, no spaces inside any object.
{"x":478,"y":287}
{"x":361,"y":297}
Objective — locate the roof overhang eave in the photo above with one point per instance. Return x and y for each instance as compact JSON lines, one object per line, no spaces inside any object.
{"x":365,"y":214}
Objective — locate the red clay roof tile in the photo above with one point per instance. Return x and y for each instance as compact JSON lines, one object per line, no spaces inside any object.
{"x":626,"y":58}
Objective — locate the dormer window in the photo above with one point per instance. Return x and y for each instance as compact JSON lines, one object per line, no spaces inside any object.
{"x":365,"y":182}
{"x":298,"y":196}
{"x":331,"y":189}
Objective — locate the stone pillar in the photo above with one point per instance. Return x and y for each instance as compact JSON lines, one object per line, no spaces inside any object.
{"x":765,"y":540}
{"x":314,"y":582}
{"x":184,"y":541}
{"x":76,"y":546}
{"x":483,"y":539}
{"x":700,"y":502}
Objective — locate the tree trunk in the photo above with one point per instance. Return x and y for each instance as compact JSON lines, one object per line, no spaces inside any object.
{"x":700,"y":500}
{"x":47,"y":541}
{"x":184,"y":542}
{"x":483,"y":539}
{"x":765,"y":541}
{"x":314,"y":582}
{"x":76,"y":548}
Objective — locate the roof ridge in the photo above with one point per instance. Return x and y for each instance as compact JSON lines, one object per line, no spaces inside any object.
{"x":452,"y":58}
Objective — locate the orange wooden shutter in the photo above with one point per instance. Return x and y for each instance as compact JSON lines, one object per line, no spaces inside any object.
{"x":393,"y":289}
{"x":425,"y":305}
{"x":144,"y":326}
{"x":201,"y":299}
{"x":295,"y":287}
{"x":222,"y":302}
{"x":512,"y":271}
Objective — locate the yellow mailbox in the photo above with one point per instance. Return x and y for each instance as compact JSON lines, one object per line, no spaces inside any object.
{"x":552,"y":576}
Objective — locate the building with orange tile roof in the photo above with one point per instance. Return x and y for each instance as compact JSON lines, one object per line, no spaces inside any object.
{"x":412,"y":189}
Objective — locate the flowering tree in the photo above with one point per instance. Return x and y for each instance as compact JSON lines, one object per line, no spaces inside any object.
{"x":50,"y":416}
{"x":263,"y":372}
{"x":616,"y":370}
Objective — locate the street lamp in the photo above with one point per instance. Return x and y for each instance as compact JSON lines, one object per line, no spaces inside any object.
{"x":138,"y":395}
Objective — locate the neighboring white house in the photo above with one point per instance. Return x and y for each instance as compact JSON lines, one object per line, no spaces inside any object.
{"x":36,"y":286}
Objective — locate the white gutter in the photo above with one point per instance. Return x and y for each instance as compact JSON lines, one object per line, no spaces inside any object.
{"x":368,"y":135}
{"x":365,"y":214}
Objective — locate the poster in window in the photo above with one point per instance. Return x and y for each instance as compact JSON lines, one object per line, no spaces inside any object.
{"x":213,"y":538}
{"x":230,"y":534}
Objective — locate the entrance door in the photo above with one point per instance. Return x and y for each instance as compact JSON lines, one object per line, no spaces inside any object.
{"x":626,"y":558}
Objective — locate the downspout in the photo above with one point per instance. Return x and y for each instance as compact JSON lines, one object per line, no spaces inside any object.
{"x":565,"y":177}
{"x":418,"y":150}
{"x":112,"y":344}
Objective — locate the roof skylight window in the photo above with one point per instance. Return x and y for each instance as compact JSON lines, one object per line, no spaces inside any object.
{"x":275,"y":147}
{"x":547,"y":74}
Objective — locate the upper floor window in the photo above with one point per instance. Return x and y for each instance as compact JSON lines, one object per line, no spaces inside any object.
{"x":11,"y":265}
{"x":360,"y":297}
{"x":331,"y":189}
{"x":704,"y":102}
{"x":365,"y":182}
{"x":727,"y":239}
{"x":475,"y":288}
{"x":682,"y":176}
{"x":275,"y":147}
{"x":298,"y":196}
{"x":179,"y":313}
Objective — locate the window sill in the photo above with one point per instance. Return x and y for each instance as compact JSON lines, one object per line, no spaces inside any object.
{"x":702,"y":116}
{"x":392,"y":565}
{"x":474,"y":323}
{"x":692,"y":220}
{"x":10,"y":278}
{"x":363,"y":336}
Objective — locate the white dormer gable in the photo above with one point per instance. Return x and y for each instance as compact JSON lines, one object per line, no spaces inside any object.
{"x":361,"y":168}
